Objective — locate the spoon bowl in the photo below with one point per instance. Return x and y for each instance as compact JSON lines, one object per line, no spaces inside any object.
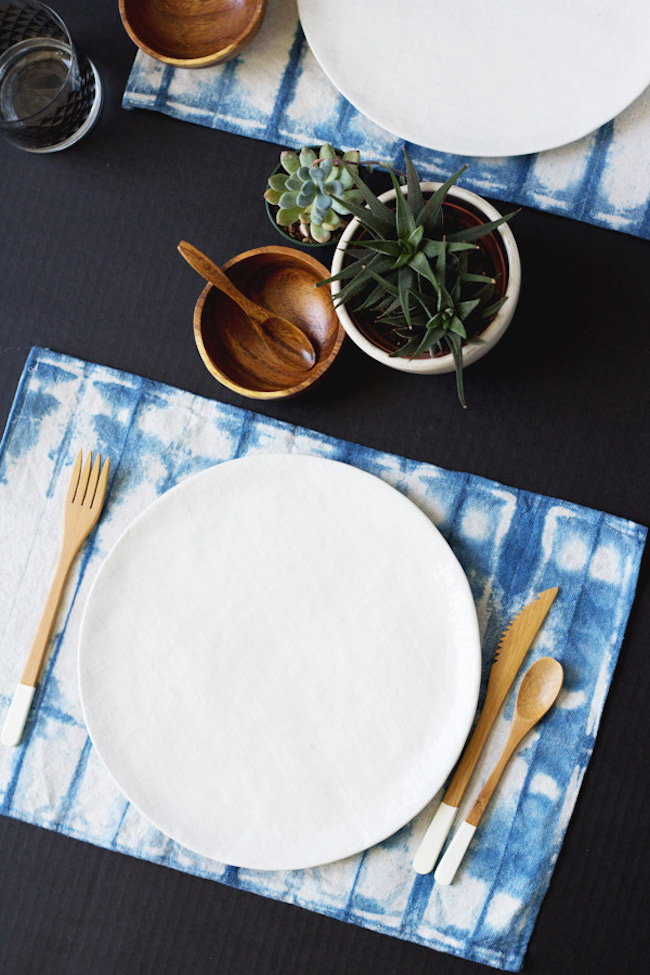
{"x":537,"y":693}
{"x":192,"y":33}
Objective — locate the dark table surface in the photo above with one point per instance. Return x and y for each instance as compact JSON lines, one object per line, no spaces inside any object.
{"x":88,"y":266}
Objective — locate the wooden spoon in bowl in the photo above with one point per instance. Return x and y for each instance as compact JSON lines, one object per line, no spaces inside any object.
{"x":537,"y":693}
{"x":285,"y":341}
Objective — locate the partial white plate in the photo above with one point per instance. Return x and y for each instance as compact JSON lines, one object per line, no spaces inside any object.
{"x":279,"y":661}
{"x":484,"y":77}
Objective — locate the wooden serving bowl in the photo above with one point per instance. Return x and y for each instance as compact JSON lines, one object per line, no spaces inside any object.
{"x":283,"y":280}
{"x":192,"y":33}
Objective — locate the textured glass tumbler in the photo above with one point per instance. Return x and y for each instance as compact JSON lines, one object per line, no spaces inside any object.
{"x":50,"y":94}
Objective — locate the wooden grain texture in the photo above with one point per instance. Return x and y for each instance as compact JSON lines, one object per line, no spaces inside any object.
{"x":282,"y":280}
{"x":83,"y":505}
{"x":192,"y":33}
{"x":539,"y":688}
{"x":287,"y":344}
{"x":514,"y":645}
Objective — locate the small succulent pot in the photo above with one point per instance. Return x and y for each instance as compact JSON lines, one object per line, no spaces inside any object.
{"x":499,"y":255}
{"x":291,"y":208}
{"x":292,"y":233}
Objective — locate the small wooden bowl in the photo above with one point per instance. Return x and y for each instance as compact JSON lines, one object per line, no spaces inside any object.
{"x":192,"y":33}
{"x":283,"y":280}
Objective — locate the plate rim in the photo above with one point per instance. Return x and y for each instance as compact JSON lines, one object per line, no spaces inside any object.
{"x":459,"y":149}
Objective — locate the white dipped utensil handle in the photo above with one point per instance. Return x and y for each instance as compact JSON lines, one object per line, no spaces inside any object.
{"x":434,"y":838}
{"x":446,"y":869}
{"x":537,"y":693}
{"x":14,"y":723}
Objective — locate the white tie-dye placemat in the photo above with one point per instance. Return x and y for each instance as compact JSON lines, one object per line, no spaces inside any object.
{"x":512,"y":545}
{"x":276,"y":91}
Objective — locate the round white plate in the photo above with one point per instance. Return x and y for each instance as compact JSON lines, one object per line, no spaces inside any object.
{"x":279,"y":661}
{"x":484,"y":77}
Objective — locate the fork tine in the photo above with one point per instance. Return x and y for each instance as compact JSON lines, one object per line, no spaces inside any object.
{"x":80,"y":493}
{"x":92,"y":482}
{"x":98,"y":499}
{"x":74,"y":479}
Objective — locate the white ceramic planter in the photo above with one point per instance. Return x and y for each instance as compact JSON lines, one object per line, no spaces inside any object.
{"x":473,"y":350}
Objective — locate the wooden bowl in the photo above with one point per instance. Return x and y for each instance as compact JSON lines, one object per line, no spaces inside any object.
{"x":283,"y":280}
{"x":192,"y":33}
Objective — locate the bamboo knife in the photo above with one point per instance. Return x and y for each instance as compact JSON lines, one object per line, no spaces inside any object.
{"x":509,"y":656}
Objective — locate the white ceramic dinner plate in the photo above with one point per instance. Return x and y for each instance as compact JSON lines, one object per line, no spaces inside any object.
{"x":279,"y":661}
{"x":484,"y":77}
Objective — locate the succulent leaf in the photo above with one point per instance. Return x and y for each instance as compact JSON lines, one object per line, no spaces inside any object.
{"x":340,"y":207}
{"x":475,"y":233}
{"x":306,"y":195}
{"x":375,"y":205}
{"x":458,"y":327}
{"x":278,"y":181}
{"x":320,"y":233}
{"x":404,"y":282}
{"x":492,"y":309}
{"x":465,"y":308}
{"x":288,"y":200}
{"x":344,"y":177}
{"x":293,"y":183}
{"x":415,"y":197}
{"x":290,"y":161}
{"x":332,"y":220}
{"x":307,"y":156}
{"x":286,"y":217}
{"x":405,"y":221}
{"x":420,"y":264}
{"x":430,"y":217}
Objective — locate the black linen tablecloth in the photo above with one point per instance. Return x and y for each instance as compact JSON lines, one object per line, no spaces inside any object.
{"x":88,"y":266}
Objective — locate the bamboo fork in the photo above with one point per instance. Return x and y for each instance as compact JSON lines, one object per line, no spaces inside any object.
{"x":83,"y":505}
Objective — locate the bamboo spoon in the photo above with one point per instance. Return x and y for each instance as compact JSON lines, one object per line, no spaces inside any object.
{"x":83,"y":505}
{"x":537,"y":693}
{"x":284,"y":340}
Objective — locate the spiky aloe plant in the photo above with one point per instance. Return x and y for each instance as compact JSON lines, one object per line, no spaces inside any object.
{"x":314,"y":191}
{"x":414,"y":274}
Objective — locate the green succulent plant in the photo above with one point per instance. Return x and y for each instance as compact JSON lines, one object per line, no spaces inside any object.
{"x":419,"y":278}
{"x":315,"y":190}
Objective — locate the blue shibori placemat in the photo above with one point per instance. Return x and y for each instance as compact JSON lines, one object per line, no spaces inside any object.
{"x":276,"y":91}
{"x":512,"y":545}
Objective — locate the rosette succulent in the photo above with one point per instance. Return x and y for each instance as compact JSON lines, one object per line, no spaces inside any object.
{"x":314,"y":191}
{"x":420,"y":277}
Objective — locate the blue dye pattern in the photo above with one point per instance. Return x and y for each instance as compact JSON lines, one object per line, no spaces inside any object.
{"x":277,"y":92}
{"x":511,"y":543}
